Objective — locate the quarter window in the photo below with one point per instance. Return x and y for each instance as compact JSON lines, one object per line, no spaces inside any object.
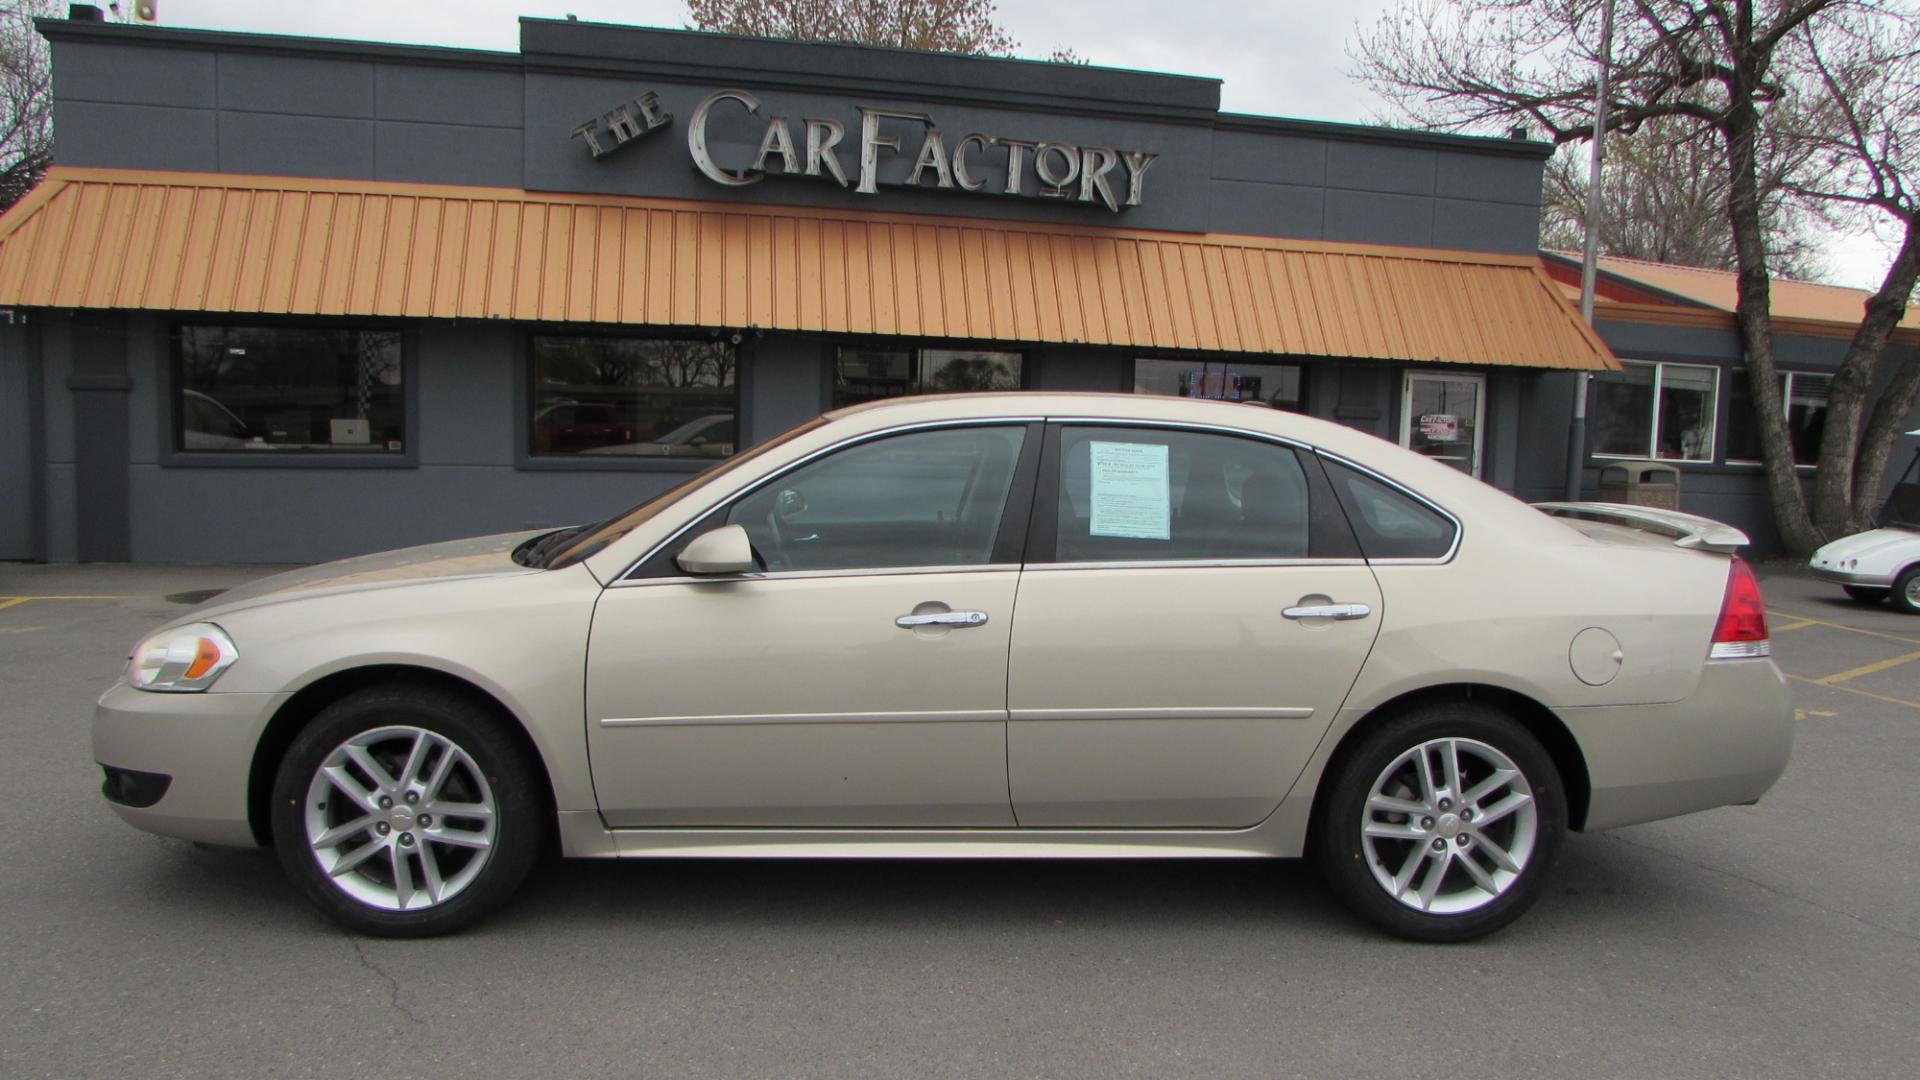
{"x":1389,"y":523}
{"x":634,"y":398}
{"x":1137,"y":494}
{"x":1805,"y":396}
{"x":266,"y":389}
{"x":874,"y":374}
{"x":929,"y":498}
{"x":1655,"y":410}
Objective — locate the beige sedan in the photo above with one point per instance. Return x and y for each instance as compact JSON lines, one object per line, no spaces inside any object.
{"x":991,"y":625}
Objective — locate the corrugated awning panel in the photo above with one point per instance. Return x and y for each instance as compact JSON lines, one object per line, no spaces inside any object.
{"x":88,"y":238}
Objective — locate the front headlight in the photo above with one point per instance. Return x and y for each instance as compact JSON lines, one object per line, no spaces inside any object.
{"x":183,"y":660}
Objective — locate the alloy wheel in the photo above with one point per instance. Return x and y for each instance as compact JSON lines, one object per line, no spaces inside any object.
{"x":400,"y":818}
{"x":1449,"y":826}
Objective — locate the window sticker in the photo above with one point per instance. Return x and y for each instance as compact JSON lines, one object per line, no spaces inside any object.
{"x":1131,"y":494}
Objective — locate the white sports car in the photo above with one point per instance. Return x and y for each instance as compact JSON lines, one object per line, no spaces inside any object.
{"x":1874,"y":565}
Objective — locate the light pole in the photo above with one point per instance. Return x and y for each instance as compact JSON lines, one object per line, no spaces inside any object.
{"x":1590,"y":259}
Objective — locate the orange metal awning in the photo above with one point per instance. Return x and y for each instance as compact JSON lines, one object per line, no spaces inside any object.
{"x":101,"y":238}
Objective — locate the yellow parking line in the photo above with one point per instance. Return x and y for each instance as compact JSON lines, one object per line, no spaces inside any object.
{"x":1868,"y":669}
{"x":1841,"y":626}
{"x":1855,"y":690}
{"x":1797,"y":624}
{"x":11,"y":601}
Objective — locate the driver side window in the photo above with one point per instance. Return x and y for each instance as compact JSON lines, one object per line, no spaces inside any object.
{"x":926,"y":498}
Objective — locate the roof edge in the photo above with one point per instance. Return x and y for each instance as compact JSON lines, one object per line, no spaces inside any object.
{"x":1368,"y":133}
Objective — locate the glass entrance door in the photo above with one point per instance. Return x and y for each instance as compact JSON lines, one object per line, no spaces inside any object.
{"x":1440,"y":417}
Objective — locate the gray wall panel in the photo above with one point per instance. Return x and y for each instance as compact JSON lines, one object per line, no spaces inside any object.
{"x":1271,"y":159}
{"x":1269,"y":209}
{"x":1461,"y":225}
{"x":419,"y":153}
{"x":17,"y":452}
{"x":295,"y":84}
{"x":279,"y":145}
{"x":131,"y":74}
{"x":1377,"y":167}
{"x":63,"y":510}
{"x":448,"y":95}
{"x":245,"y":515}
{"x":149,"y":351}
{"x":1487,"y":178}
{"x":463,"y":375}
{"x":784,"y":382}
{"x":1367,"y":218}
{"x":135,"y":137}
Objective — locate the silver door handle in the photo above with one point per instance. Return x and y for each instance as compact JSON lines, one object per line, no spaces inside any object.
{"x":1329,"y":611}
{"x":942,"y":618}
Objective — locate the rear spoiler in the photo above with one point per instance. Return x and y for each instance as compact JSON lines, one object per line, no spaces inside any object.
{"x":1688,"y":530}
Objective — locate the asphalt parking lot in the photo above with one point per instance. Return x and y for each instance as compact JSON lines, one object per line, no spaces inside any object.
{"x":1779,"y":939}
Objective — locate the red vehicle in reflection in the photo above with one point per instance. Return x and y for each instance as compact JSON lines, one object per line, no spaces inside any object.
{"x":569,"y":427}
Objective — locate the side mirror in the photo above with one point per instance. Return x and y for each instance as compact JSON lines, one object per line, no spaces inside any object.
{"x":725,"y":550}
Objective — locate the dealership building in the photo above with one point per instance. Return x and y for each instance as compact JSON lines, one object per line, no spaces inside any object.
{"x":288,"y":299}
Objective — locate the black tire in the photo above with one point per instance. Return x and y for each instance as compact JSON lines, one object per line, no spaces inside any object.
{"x":1906,"y":591}
{"x":487,"y":765}
{"x":1349,"y":867}
{"x":1866,"y":594}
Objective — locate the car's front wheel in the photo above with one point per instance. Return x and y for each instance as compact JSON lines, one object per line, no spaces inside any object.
{"x":1866,"y":594}
{"x":406,"y":811}
{"x":1442,"y":822}
{"x":1906,"y":591}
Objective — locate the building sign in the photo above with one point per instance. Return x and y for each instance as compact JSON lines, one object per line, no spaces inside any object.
{"x":818,"y":149}
{"x":622,"y":124}
{"x":1440,"y":427}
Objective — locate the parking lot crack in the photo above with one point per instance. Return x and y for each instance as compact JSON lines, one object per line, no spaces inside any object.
{"x":393,"y":984}
{"x":1763,"y":887}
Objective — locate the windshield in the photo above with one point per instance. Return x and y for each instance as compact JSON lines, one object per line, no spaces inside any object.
{"x":592,"y":539}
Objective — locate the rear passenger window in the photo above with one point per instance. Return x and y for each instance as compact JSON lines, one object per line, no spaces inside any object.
{"x":1137,"y":494}
{"x":1389,"y":523}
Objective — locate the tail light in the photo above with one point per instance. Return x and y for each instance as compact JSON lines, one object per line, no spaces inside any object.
{"x":1742,"y":629}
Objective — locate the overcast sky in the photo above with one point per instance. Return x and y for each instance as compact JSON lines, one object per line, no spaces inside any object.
{"x":1276,"y":57}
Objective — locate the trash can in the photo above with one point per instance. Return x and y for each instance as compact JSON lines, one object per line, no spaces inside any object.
{"x":1640,"y":483}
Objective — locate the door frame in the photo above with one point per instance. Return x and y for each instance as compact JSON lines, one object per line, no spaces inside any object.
{"x":1480,"y":415}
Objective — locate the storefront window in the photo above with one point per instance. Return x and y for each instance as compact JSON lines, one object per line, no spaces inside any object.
{"x":1282,"y":386}
{"x":264,"y":389}
{"x":872,"y":374}
{"x":1805,"y":396}
{"x":1654,"y":410}
{"x":632,"y":397}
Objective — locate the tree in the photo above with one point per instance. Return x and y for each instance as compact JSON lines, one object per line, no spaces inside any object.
{"x":1817,"y":98}
{"x":1665,"y":201}
{"x":958,"y":26}
{"x":26,"y":99}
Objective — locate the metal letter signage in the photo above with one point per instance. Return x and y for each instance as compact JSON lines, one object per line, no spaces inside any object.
{"x":622,"y":125}
{"x":976,"y":162}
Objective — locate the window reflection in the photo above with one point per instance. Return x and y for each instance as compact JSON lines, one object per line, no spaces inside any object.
{"x":632,"y":397}
{"x":253,"y":389}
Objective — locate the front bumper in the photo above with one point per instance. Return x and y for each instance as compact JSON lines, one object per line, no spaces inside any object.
{"x":1724,"y":745}
{"x":203,"y":743}
{"x":1848,"y":577}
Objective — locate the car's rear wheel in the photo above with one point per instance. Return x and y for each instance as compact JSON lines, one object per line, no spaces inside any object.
{"x":1866,"y":594}
{"x":1442,"y":822}
{"x":406,"y":811}
{"x":1906,"y":591}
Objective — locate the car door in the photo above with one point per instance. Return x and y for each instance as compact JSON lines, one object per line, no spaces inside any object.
{"x":859,"y":681}
{"x":1193,"y":613}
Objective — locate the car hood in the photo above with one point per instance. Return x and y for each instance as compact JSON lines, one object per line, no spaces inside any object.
{"x":1866,"y":545}
{"x":480,"y":556}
